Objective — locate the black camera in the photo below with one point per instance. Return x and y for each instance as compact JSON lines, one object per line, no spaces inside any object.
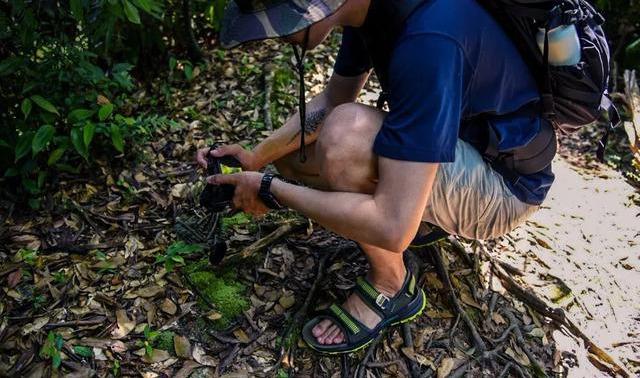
{"x":217,"y":198}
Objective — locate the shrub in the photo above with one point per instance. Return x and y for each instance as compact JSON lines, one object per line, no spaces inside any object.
{"x":62,"y":92}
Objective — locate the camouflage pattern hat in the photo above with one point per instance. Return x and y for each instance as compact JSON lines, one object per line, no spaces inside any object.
{"x":249,"y":20}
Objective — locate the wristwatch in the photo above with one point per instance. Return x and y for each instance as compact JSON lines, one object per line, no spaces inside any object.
{"x":265,"y":192}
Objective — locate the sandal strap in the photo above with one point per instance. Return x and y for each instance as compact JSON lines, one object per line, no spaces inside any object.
{"x":346,"y":320}
{"x":380,"y":303}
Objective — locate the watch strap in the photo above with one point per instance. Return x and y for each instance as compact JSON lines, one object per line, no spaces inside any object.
{"x":265,"y":192}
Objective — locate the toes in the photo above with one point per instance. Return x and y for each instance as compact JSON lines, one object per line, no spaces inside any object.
{"x":320,"y":328}
{"x":332,"y":334}
{"x":337,"y":338}
{"x":328,"y":335}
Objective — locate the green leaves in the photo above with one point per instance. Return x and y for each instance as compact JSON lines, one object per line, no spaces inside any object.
{"x":175,"y":254}
{"x":76,"y":10}
{"x":131,"y":11}
{"x":78,"y":115}
{"x":105,"y":111}
{"x":143,"y":4}
{"x":23,"y":146}
{"x":56,"y":155}
{"x":88,"y":132}
{"x":42,"y":138}
{"x":632,"y":54}
{"x":83,"y":351}
{"x":26,"y":107}
{"x":77,"y":139}
{"x":116,"y":137}
{"x":44,"y":104}
{"x":51,"y":349}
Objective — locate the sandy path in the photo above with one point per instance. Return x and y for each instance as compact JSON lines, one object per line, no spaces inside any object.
{"x":587,"y":236}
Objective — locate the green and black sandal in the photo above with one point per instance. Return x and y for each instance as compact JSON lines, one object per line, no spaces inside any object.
{"x":406,"y":305}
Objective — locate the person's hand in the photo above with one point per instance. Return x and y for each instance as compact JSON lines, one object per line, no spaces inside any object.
{"x":245,"y":157}
{"x":247,"y":185}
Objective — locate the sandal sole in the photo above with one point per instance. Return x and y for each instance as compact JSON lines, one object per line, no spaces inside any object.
{"x":384,"y":329}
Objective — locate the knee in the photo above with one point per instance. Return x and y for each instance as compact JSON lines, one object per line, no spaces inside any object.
{"x":341,"y":125}
{"x":342,"y":144}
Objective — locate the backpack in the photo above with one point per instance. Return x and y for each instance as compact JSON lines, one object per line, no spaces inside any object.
{"x":571,"y":96}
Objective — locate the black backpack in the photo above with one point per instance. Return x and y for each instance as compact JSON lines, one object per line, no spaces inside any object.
{"x":572,"y":96}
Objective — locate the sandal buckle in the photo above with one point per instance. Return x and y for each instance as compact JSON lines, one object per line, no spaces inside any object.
{"x":382,"y":301}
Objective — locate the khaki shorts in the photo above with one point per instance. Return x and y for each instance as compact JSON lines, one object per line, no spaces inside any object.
{"x":470,"y":199}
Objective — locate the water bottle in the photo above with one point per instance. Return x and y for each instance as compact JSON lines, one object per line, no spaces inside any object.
{"x":564,"y":45}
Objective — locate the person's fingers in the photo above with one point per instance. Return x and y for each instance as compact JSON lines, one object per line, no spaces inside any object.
{"x":237,"y":203}
{"x":201,"y":157}
{"x":223,"y":179}
{"x":230,"y":149}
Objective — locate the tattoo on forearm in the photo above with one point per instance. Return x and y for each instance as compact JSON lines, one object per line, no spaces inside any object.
{"x":313,"y":121}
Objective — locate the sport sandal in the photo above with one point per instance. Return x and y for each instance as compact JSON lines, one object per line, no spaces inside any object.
{"x":407,"y":304}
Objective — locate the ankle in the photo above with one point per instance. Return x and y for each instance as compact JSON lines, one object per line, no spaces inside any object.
{"x":390,"y":282}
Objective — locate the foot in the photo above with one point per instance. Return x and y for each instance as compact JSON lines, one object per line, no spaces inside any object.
{"x":326,"y":332}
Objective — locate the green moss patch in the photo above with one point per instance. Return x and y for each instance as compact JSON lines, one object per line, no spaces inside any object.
{"x":164,"y":341}
{"x":223,"y":290}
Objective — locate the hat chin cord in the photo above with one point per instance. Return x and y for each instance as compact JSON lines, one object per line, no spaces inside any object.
{"x":302,"y":106}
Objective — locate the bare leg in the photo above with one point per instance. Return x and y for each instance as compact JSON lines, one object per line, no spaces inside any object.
{"x":343,"y":160}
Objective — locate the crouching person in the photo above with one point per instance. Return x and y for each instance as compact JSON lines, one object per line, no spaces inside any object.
{"x":462,"y":108}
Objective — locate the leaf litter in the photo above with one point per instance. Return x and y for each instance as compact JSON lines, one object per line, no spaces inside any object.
{"x":84,"y":293}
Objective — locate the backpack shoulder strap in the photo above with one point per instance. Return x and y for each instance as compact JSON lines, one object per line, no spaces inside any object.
{"x":398,"y":11}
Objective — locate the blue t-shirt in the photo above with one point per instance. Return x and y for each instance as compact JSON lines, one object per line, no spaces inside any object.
{"x":451,"y":62}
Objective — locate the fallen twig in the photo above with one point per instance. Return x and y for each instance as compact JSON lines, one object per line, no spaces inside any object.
{"x":76,"y":323}
{"x":274,"y":236}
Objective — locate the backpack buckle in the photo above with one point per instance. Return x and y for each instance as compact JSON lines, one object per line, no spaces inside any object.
{"x":382,"y":301}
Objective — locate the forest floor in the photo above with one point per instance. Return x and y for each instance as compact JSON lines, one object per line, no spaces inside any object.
{"x":105,"y":280}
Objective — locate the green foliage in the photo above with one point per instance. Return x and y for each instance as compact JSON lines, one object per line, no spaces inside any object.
{"x":60,"y":277}
{"x":164,"y":341}
{"x":223,"y":290}
{"x":174,"y":255}
{"x":213,"y":12}
{"x":38,"y":301}
{"x":83,"y":351}
{"x":623,"y":30}
{"x":115,"y":370}
{"x":51,"y":349}
{"x":29,"y":256}
{"x":65,"y":96}
{"x":149,"y":338}
{"x":239,"y":219}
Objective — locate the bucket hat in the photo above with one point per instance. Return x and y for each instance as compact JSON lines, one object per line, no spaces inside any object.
{"x":249,"y":20}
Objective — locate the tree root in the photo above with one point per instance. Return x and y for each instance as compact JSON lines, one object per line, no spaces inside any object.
{"x":295,"y":324}
{"x":444,"y":275}
{"x":607,"y":363}
{"x":407,"y":338}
